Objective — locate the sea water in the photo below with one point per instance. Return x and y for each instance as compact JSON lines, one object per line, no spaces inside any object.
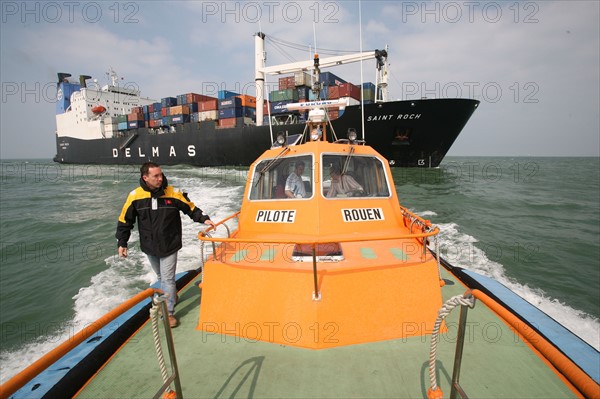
{"x":531,"y":223}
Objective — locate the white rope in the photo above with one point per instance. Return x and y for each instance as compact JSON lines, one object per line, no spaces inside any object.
{"x":458,"y":300}
{"x":155,"y":312}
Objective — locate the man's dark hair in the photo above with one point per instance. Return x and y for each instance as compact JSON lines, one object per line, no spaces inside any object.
{"x":146,"y":167}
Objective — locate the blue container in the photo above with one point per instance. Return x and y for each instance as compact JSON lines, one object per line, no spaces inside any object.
{"x":182,"y":118}
{"x":122,"y":126}
{"x":238,"y":112}
{"x":156,"y":107}
{"x":303,"y":92}
{"x":280,"y":107}
{"x":329,"y":79}
{"x":368,"y":85}
{"x":195,"y":117}
{"x":136,"y":124}
{"x":166,"y":120}
{"x":168,"y":102}
{"x":223,"y":94}
{"x":323,"y":93}
{"x":193,"y":107}
{"x":231,"y":102}
{"x":181,"y":99}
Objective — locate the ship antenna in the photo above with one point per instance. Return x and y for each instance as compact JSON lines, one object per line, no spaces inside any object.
{"x":362,"y":94}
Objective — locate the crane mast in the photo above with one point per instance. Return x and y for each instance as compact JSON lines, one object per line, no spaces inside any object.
{"x":261,"y":70}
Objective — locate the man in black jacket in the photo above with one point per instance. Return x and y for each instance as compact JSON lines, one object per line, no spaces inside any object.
{"x":156,"y":206}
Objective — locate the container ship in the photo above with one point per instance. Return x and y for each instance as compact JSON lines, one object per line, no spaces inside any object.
{"x":116,"y":125}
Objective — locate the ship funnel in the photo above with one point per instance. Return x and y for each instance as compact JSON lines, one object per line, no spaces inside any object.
{"x":62,"y":77}
{"x":82,"y":79}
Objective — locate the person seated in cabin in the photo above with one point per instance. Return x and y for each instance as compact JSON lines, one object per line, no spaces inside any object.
{"x":294,"y":186}
{"x":343,"y":185}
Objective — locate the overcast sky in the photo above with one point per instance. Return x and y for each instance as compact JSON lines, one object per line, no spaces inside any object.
{"x":535,"y":65}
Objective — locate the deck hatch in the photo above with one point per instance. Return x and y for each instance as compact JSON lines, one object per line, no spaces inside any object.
{"x":325,"y":252}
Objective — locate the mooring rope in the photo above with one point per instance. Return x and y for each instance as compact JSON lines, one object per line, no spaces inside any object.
{"x":155,"y":312}
{"x":458,"y":300}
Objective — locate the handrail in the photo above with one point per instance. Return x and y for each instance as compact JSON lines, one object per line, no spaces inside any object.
{"x":431,"y":231}
{"x":29,"y":373}
{"x":202,"y":237}
{"x":563,"y":365}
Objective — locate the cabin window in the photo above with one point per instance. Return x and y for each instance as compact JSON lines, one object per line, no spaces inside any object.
{"x":347,"y":175}
{"x":283,"y":178}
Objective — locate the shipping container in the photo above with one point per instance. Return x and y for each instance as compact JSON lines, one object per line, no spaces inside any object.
{"x":137,"y":110}
{"x":329,"y":79}
{"x":231,"y":102}
{"x":155,"y":123}
{"x":369,"y":94}
{"x":333,"y":92}
{"x":180,"y":118}
{"x":283,"y":95}
{"x":302,"y":78}
{"x":168,"y":102}
{"x":349,"y":90}
{"x":135,"y":117}
{"x":368,"y":85}
{"x":288,"y":82}
{"x":193,"y":107}
{"x":181,"y":99}
{"x":123,"y":125}
{"x":156,"y":107}
{"x":223,"y":94}
{"x":228,"y":122}
{"x":135,"y":124}
{"x":179,"y":110}
{"x":196,"y":98}
{"x":303,"y":92}
{"x":247,"y":101}
{"x":323,"y":94}
{"x":121,"y":118}
{"x":237,"y":112}
{"x":279,"y":107}
{"x":209,"y":105}
{"x":211,"y":115}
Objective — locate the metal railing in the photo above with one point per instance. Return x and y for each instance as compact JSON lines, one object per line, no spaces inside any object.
{"x":159,"y":308}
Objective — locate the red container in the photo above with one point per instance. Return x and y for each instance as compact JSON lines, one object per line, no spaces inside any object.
{"x":155,"y":122}
{"x":333,"y":92}
{"x":349,"y":90}
{"x":287,"y":83}
{"x":227,"y":122}
{"x":208,"y":105}
{"x":196,"y":98}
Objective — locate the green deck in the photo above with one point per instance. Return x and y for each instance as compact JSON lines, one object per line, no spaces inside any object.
{"x":496,"y":364}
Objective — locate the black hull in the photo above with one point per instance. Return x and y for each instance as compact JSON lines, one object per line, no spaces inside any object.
{"x":415,"y":133}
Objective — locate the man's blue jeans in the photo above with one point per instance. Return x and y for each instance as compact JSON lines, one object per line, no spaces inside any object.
{"x":165,"y":270}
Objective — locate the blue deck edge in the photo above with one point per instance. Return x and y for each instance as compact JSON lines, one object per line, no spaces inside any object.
{"x":579,"y":351}
{"x":45,"y":384}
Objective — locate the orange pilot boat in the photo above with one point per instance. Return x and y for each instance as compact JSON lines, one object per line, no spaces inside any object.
{"x":334,"y":265}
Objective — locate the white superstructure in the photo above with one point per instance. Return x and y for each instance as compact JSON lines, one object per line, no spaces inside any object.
{"x":81,"y":118}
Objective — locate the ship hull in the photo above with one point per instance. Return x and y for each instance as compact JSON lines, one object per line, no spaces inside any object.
{"x":415,"y":133}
